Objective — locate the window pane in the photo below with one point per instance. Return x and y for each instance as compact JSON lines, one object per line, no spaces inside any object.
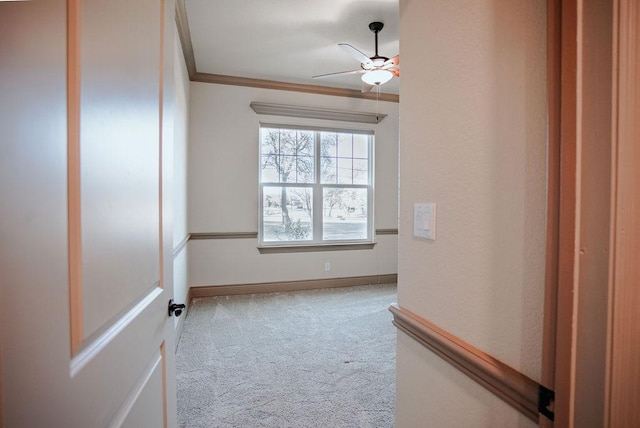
{"x":345,"y":168}
{"x":361,"y":146}
{"x":270,"y":141}
{"x":269,"y":174}
{"x":344,"y":158}
{"x":329,"y":169}
{"x":287,"y":141}
{"x":328,"y":144}
{"x":345,"y":145}
{"x":305,"y":169}
{"x":269,"y":148}
{"x":328,"y":161}
{"x":288,"y":155}
{"x":344,"y":214}
{"x":360,"y":171}
{"x":287,"y":213}
{"x":296,"y":143}
{"x":304,"y":143}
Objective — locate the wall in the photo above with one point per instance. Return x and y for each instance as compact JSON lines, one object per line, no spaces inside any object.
{"x":472,"y":139}
{"x":223,"y":188}
{"x":181,"y":138}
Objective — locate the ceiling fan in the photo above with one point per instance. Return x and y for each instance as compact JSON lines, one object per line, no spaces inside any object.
{"x":375,"y":70}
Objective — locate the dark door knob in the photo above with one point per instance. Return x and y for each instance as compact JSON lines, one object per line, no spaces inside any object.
{"x":175,"y":308}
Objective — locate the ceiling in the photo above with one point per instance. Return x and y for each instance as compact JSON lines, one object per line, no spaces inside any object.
{"x":287,"y":40}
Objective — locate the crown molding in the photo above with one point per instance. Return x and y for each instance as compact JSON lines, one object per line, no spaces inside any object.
{"x":184,"y":34}
{"x":295,"y":87}
{"x":182,"y":23}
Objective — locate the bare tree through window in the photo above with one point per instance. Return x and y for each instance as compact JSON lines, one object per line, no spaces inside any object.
{"x":303,"y":168}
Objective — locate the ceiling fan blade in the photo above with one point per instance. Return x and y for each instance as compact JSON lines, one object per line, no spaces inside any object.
{"x":339,"y":73}
{"x":395,"y":71}
{"x":392,"y":62}
{"x":357,"y":54}
{"x":367,"y":88}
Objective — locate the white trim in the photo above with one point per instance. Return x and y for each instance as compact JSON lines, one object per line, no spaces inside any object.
{"x":134,"y":394}
{"x":307,"y":248}
{"x":316,"y":113}
{"x":181,"y":246}
{"x":317,"y":188}
{"x":96,"y":346}
{"x":316,"y":128}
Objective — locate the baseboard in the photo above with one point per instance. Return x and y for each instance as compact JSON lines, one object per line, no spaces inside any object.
{"x":271,"y":287}
{"x":510,"y":385}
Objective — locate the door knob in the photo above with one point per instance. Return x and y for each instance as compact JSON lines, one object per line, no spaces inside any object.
{"x":175,"y":308}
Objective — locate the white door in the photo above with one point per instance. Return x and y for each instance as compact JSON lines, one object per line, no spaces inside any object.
{"x":85,"y":237}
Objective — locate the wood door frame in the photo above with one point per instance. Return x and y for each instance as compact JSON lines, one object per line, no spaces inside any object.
{"x":564,"y":317}
{"x":1,"y":395}
{"x":623,"y":333}
{"x":563,"y":216}
{"x":561,"y":362}
{"x":553,"y":196}
{"x":557,"y":82}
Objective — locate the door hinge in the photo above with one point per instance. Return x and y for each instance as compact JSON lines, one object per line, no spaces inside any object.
{"x":546,"y":399}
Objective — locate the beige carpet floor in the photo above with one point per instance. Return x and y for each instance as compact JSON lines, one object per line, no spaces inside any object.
{"x":317,"y":358}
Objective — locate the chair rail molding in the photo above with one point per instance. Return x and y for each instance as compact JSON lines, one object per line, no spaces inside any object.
{"x":510,"y":385}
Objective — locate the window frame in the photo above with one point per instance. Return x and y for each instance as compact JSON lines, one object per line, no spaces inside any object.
{"x":318,"y":191}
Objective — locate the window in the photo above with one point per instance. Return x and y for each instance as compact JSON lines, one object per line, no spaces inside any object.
{"x":316,"y":186}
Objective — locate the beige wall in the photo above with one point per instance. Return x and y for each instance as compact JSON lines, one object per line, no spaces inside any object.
{"x":223,"y":188}
{"x":181,"y":137}
{"x":472,"y":139}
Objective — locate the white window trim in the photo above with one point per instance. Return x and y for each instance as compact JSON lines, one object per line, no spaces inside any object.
{"x":316,"y":113}
{"x":318,"y":243}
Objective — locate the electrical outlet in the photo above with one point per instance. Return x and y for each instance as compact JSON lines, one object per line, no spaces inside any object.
{"x":327,"y":266}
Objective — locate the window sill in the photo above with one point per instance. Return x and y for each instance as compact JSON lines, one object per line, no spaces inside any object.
{"x":315,"y":247}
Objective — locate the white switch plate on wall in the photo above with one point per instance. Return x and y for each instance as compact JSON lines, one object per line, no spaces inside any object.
{"x":424,"y":220}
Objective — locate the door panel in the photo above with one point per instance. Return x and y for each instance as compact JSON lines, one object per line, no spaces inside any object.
{"x":84,"y":233}
{"x":119,"y":152}
{"x":146,"y":394}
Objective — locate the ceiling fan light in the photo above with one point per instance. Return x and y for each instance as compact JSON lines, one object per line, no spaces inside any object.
{"x":377,"y":77}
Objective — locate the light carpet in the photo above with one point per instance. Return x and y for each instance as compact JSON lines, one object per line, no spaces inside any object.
{"x":316,"y":358}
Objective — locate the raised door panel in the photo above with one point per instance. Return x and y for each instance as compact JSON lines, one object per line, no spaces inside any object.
{"x":120,"y":99}
{"x":145,"y":395}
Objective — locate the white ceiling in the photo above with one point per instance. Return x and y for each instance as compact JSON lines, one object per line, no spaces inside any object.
{"x":290,"y":40}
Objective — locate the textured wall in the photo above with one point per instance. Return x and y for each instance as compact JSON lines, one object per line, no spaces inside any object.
{"x":472,"y":139}
{"x":223,"y":188}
